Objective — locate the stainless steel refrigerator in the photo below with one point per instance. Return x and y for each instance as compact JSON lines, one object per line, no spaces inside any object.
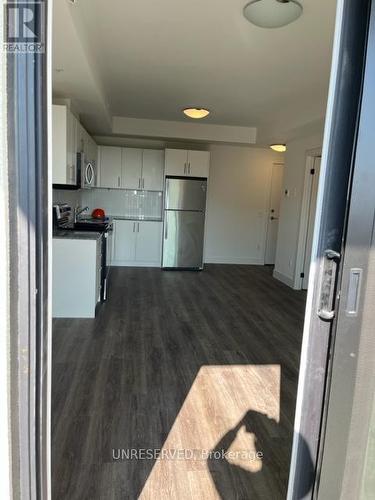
{"x":184,"y":215}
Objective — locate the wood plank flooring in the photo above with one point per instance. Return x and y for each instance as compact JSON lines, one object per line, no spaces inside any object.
{"x":182,"y":362}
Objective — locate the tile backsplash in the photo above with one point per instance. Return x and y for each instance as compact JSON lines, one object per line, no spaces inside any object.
{"x":124,"y":202}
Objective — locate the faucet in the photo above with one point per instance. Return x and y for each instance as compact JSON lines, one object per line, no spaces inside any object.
{"x":78,"y":211}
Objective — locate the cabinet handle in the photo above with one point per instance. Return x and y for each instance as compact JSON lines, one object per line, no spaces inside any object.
{"x":118,"y":181}
{"x":139,"y":183}
{"x":185,"y":169}
{"x":133,"y":227}
{"x":189,"y":168}
{"x":143,"y":183}
{"x":137,"y":227}
{"x":166,"y":229}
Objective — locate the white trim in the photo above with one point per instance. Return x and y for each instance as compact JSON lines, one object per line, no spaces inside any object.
{"x":287,"y":280}
{"x":309,"y":303}
{"x":230,"y":260}
{"x":5,"y":424}
{"x":310,"y":156}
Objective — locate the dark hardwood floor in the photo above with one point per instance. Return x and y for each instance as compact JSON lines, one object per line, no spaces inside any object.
{"x":178,"y":360}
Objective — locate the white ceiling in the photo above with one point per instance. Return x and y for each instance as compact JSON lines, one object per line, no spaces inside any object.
{"x":150,"y":60}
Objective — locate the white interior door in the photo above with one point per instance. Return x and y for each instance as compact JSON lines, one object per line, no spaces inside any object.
{"x":274,"y":211}
{"x":311,"y":221}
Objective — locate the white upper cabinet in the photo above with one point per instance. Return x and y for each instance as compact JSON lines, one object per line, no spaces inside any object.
{"x":153,"y":170}
{"x":187,"y":163}
{"x":110,"y":166}
{"x":68,"y":138}
{"x":64,"y":146}
{"x":176,"y":162}
{"x":198,"y":163}
{"x":131,"y":168}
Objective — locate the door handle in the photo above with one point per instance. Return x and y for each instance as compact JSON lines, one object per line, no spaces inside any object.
{"x":274,"y":218}
{"x":327,"y":285}
{"x":354,"y":288}
{"x":166,"y":229}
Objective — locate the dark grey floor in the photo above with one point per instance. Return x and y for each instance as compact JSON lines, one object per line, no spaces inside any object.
{"x":120,"y":380}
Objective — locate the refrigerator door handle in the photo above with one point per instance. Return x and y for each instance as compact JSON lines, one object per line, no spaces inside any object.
{"x":166,"y":228}
{"x":166,"y":192}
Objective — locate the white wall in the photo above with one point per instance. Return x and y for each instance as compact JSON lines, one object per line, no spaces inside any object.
{"x":238,"y":203}
{"x":290,"y":210}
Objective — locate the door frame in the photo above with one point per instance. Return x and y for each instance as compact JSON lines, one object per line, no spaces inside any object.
{"x":310,"y":156}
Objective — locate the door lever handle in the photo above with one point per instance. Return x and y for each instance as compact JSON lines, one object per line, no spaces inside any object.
{"x":327,"y":285}
{"x":274,"y":218}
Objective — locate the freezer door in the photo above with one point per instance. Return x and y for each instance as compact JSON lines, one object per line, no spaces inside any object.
{"x":183,"y":239}
{"x":185,"y":194}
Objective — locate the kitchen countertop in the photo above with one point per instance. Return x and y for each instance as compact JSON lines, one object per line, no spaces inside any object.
{"x":125,"y":217}
{"x":77,"y":235}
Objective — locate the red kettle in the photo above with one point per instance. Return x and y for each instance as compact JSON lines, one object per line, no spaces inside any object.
{"x":98,"y":213}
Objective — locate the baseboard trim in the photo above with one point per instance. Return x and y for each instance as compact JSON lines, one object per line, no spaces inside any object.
{"x":135,"y":264}
{"x":225,"y":260}
{"x":284,"y":279}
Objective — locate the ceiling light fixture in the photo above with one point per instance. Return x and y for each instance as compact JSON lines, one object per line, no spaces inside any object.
{"x":280,"y":148}
{"x":196,"y":113}
{"x":272,"y":13}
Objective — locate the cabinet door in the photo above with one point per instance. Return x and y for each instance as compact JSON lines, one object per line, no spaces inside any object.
{"x":124,"y":241}
{"x":110,"y":167}
{"x":148,"y":247}
{"x":80,"y":138}
{"x":198,"y":163}
{"x":153,"y":170}
{"x":59,"y":145}
{"x":131,"y":168}
{"x":176,"y":162}
{"x":72,"y":124}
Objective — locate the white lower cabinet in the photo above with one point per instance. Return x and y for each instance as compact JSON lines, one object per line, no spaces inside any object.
{"x":124,"y":241}
{"x":137,"y":243}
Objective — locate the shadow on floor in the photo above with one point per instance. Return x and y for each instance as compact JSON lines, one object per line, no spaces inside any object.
{"x":269,"y":477}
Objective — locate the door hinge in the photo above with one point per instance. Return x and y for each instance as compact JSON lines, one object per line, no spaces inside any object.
{"x":302,"y":275}
{"x":312,"y":171}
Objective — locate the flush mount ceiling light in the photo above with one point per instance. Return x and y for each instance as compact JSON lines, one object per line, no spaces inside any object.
{"x":272,"y":13}
{"x":280,"y":148}
{"x":196,"y":113}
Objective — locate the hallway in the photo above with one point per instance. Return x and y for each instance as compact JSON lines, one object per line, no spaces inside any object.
{"x":193,"y":362}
